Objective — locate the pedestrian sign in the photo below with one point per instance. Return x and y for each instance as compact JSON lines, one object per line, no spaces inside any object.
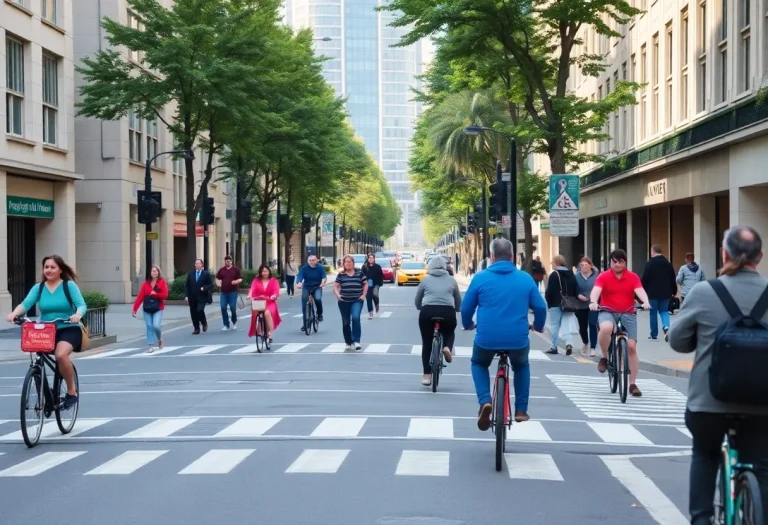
{"x":564,"y":205}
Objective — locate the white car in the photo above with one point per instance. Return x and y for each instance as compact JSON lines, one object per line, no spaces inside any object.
{"x":359,"y":260}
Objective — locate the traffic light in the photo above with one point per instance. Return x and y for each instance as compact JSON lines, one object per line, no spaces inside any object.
{"x":246,"y":211}
{"x":471,"y":224}
{"x":479,"y":219}
{"x":462,"y":230}
{"x":306,"y":224}
{"x":498,"y":200}
{"x":342,"y":232}
{"x":206,"y":211}
{"x":148,"y":206}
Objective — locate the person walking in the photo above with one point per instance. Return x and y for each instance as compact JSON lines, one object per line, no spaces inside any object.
{"x":350,"y":289}
{"x":57,"y":296}
{"x":228,"y":279}
{"x":197,"y":293}
{"x":585,"y":281}
{"x":151,"y":298}
{"x":311,"y":279}
{"x":265,"y":287}
{"x":697,"y":329}
{"x":290,"y":277}
{"x":659,"y":282}
{"x":561,"y":284}
{"x":688,"y":275}
{"x":437,"y":296}
{"x":375,"y":276}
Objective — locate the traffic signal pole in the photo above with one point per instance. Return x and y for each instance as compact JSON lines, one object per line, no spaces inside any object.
{"x":512,"y":196}
{"x":206,"y":246}
{"x":148,"y":226}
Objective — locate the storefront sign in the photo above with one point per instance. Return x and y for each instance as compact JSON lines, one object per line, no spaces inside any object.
{"x":656,"y":192}
{"x":564,"y":205}
{"x":32,"y":208}
{"x":544,"y":225}
{"x":601,"y":203}
{"x":180,"y":229}
{"x":153,"y":236}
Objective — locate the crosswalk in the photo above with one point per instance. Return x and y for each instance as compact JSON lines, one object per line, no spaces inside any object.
{"x":659,"y":404}
{"x":282,"y":348}
{"x":311,"y":427}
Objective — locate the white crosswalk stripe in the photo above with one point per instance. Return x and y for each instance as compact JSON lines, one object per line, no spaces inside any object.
{"x":158,"y":351}
{"x":528,"y":431}
{"x":532,"y":466}
{"x":318,"y":461}
{"x":385,"y":315}
{"x":217,"y":461}
{"x":423,"y":463}
{"x":291,"y":348}
{"x":249,"y":427}
{"x":51,"y":431}
{"x":205,"y":350}
{"x":339,"y":427}
{"x":335,"y":348}
{"x":619,"y":433}
{"x":127,"y":462}
{"x":430,"y":428}
{"x":113,"y":353}
{"x":247,"y":349}
{"x":39,"y":464}
{"x":161,"y":428}
{"x":376,"y":349}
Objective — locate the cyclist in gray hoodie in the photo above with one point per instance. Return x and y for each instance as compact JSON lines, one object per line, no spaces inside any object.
{"x":437,"y":296}
{"x":689,"y":274}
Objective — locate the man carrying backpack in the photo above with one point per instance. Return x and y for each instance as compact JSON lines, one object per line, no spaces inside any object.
{"x":728,"y":375}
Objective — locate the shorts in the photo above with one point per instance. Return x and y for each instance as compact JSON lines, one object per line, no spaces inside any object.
{"x":629,"y":321}
{"x":72,"y":335}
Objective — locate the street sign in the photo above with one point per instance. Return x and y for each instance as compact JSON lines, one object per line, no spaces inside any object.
{"x":564,"y":205}
{"x":153,"y":236}
{"x":245,"y":238}
{"x":506,"y":177}
{"x":506,"y":221}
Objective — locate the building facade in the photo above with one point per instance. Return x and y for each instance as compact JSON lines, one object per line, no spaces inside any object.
{"x":37,"y":148}
{"x":111,"y":157}
{"x":690,"y":157}
{"x":376,"y":79}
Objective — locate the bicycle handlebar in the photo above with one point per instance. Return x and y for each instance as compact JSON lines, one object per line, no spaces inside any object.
{"x":630,"y":310}
{"x":21,"y":319}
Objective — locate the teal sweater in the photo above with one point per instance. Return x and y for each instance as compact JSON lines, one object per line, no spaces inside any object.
{"x":55,"y":305}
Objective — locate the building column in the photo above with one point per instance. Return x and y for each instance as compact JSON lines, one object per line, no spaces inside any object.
{"x":705,"y":234}
{"x":747,"y":207}
{"x":5,"y":296}
{"x":629,"y":248}
{"x":587,"y":238}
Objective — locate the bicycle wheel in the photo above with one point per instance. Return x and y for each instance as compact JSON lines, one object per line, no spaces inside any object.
{"x":749,"y":505}
{"x":267,"y":343}
{"x":309,"y":317}
{"x":613,"y":379}
{"x":499,"y":427}
{"x":65,"y":419}
{"x":259,"y":333}
{"x":436,"y":360}
{"x":622,"y":371}
{"x":720,"y":491}
{"x":32,"y":408}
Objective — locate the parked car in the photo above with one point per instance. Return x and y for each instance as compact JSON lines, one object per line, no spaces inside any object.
{"x":387,"y":270}
{"x":360,"y":259}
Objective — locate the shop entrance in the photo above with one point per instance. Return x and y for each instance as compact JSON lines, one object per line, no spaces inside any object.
{"x":22,"y":265}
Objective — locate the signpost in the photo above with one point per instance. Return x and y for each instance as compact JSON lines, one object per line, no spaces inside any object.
{"x":564,"y":205}
{"x":326,"y":229}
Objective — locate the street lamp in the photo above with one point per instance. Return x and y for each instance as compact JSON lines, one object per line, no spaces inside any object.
{"x":512,"y":188}
{"x":187,"y":154}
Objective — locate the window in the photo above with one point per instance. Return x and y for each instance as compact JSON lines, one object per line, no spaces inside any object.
{"x":723,"y":20}
{"x":14,"y":98}
{"x":722,"y":65}
{"x":135,"y":137}
{"x":655,"y":65}
{"x":152,"y":140}
{"x":179,"y":189}
{"x":684,"y":64}
{"x":644,"y":95}
{"x":745,"y":82}
{"x":50,"y":98}
{"x":599,"y":98}
{"x":134,"y":23}
{"x":49,"y":10}
{"x":668,"y":89}
{"x":616,"y":142}
{"x":626,"y":124}
{"x":702,"y":73}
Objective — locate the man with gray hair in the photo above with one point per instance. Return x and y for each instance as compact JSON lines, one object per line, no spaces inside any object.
{"x":699,"y":326}
{"x":502,"y":296}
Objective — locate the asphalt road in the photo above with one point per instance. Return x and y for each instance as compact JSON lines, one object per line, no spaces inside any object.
{"x":210,"y":432}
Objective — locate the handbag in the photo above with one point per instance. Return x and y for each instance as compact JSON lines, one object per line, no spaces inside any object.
{"x":567,"y":304}
{"x":151,"y":305}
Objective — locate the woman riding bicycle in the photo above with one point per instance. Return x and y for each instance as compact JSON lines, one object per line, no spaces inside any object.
{"x":437,"y":296}
{"x":57,"y":296}
{"x":265,"y":287}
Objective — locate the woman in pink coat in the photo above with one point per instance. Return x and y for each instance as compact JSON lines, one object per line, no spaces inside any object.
{"x":265,"y":287}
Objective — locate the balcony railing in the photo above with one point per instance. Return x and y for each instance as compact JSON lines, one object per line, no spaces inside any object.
{"x":95,"y":321}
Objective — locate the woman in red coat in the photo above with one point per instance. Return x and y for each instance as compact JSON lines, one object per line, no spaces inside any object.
{"x":265,"y":287}
{"x":152,"y":296}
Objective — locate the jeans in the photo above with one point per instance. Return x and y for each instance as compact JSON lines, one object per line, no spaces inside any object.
{"x":228,"y":299}
{"x":427,"y":329}
{"x":708,"y":430}
{"x":289,"y":280}
{"x":153,"y":322}
{"x":482,"y":359}
{"x":659,"y":307}
{"x":556,"y":317}
{"x":350,"y":311}
{"x":372,"y":297}
{"x":318,"y":295}
{"x":588,"y":327}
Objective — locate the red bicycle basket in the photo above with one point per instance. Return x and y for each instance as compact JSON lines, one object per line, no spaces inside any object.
{"x":38,"y":337}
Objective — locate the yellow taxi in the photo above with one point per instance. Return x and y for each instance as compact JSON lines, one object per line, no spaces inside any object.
{"x":411,"y":272}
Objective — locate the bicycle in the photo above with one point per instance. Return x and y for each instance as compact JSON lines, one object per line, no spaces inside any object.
{"x":48,"y":400}
{"x":311,"y":321}
{"x":501,"y":408}
{"x":436,"y":357}
{"x":618,"y":354}
{"x":259,"y":306}
{"x":739,"y":500}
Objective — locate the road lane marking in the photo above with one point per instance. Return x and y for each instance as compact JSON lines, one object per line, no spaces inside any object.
{"x":685,"y":432}
{"x":335,"y":348}
{"x":291,"y":348}
{"x":205,"y":350}
{"x":538,"y":355}
{"x":126,"y":463}
{"x":249,"y":427}
{"x":376,"y":349}
{"x":110,"y":353}
{"x":51,"y":431}
{"x":318,"y":461}
{"x":532,"y":466}
{"x":161,"y":428}
{"x":658,"y":505}
{"x":247,"y":349}
{"x":423,"y":463}
{"x":217,"y":461}
{"x":619,"y":433}
{"x":339,"y":427}
{"x":416,"y":350}
{"x":439,"y":428}
{"x":385,"y":315}
{"x":39,"y":464}
{"x":158,"y":351}
{"x":462,"y":351}
{"x":528,"y":431}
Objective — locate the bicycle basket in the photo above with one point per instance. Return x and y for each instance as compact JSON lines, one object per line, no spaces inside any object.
{"x":259,"y":305}
{"x":38,"y":337}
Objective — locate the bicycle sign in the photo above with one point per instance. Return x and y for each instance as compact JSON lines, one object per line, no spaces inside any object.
{"x":564,"y":205}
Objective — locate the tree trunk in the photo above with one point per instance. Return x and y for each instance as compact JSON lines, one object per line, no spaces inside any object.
{"x":288,"y":233}
{"x":236,"y":242}
{"x":192,"y":209}
{"x":263,"y":224}
{"x":528,"y":241}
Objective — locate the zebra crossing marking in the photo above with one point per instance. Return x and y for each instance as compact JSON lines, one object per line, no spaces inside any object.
{"x":249,"y":427}
{"x":39,"y":464}
{"x":339,"y":427}
{"x":335,"y":348}
{"x":619,"y":433}
{"x":205,"y":350}
{"x":318,"y":461}
{"x":126,"y":463}
{"x":158,"y":351}
{"x":385,"y":315}
{"x":112,"y":353}
{"x":528,"y":431}
{"x":161,"y":428}
{"x":291,"y":348}
{"x":423,"y":463}
{"x":441,"y":428}
{"x":532,"y":466}
{"x":376,"y":349}
{"x":51,"y":431}
{"x":247,"y":349}
{"x":217,"y":461}
{"x":685,"y":432}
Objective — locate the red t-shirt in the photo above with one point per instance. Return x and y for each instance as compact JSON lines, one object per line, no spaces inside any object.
{"x":226,"y":276}
{"x":618,"y":294}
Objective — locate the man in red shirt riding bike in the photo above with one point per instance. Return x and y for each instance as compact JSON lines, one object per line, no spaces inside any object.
{"x":617,"y":288}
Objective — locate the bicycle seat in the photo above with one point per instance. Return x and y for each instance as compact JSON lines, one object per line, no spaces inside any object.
{"x":437,"y":319}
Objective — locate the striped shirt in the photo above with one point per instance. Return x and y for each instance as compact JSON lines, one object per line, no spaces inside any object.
{"x":351,"y":286}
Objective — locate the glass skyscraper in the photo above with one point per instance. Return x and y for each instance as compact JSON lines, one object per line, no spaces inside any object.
{"x":376,"y":79}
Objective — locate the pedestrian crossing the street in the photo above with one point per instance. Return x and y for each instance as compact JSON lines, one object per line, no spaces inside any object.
{"x":281,"y":348}
{"x":311,"y":427}
{"x":659,"y":403}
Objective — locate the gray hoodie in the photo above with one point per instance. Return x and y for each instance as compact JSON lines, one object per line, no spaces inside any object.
{"x":438,"y":289}
{"x":689,"y":275}
{"x":585,"y":285}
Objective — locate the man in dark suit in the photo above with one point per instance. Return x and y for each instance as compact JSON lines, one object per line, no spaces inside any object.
{"x":198,"y":293}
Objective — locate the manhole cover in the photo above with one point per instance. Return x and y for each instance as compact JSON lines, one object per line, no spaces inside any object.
{"x":163,"y":382}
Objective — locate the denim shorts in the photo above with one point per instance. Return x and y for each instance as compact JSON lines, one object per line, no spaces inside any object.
{"x":629,"y":321}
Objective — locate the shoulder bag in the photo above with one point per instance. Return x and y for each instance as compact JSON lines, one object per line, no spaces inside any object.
{"x":567,"y":304}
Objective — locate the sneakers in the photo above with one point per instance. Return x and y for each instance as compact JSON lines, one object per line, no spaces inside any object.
{"x":666,"y":334}
{"x":568,"y":349}
{"x":602,"y":365}
{"x":552,"y":351}
{"x":634,"y":390}
{"x":224,"y":328}
{"x":69,"y":402}
{"x":484,"y":417}
{"x":234,"y":326}
{"x":427,"y":380}
{"x":447,"y":355}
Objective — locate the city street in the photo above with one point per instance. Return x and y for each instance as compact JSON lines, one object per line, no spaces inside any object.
{"x":209,"y":431}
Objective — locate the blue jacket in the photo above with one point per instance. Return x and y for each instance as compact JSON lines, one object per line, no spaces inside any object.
{"x":502,"y":295}
{"x":311,"y":277}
